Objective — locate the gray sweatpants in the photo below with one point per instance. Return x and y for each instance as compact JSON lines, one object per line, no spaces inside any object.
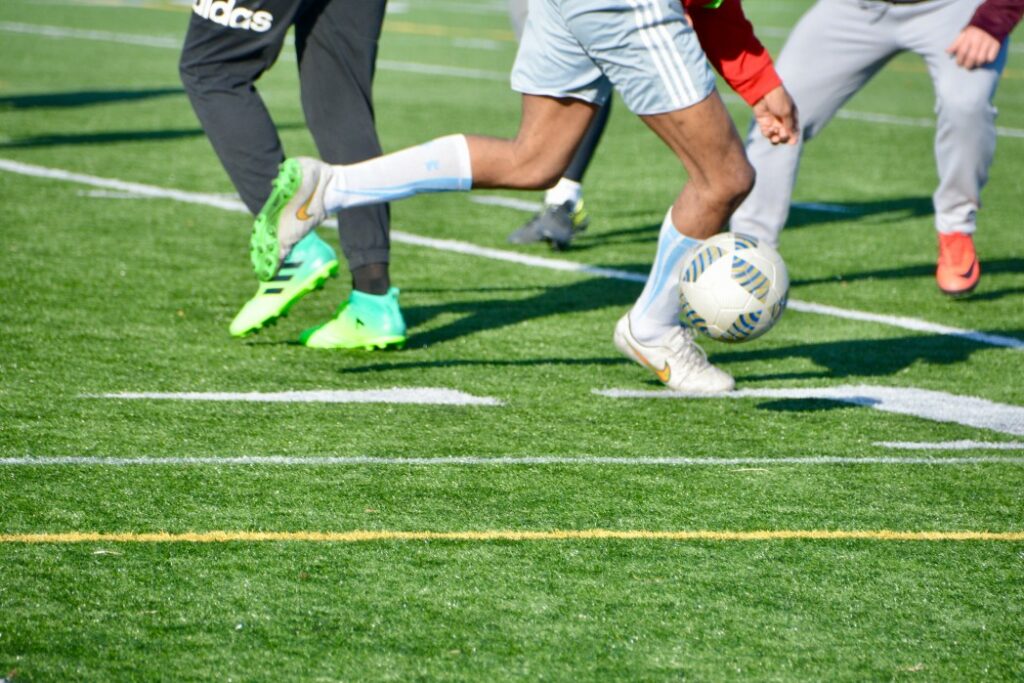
{"x":836,"y":47}
{"x":336,"y":46}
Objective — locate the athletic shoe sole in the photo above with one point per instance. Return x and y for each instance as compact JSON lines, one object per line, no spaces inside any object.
{"x":264,"y":249}
{"x":315,"y":281}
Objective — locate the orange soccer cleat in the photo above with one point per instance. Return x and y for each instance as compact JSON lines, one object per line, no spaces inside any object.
{"x":958,"y":271}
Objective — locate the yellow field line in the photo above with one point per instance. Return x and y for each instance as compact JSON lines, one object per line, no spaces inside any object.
{"x":510,"y":535}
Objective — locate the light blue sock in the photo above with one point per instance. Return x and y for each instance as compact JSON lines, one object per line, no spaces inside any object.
{"x":441,"y":165}
{"x":656,"y":312}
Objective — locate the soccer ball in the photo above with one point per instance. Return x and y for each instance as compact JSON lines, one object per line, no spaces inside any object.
{"x":733,"y":288}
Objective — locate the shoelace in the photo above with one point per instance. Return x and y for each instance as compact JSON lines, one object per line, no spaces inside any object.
{"x":686,"y":350}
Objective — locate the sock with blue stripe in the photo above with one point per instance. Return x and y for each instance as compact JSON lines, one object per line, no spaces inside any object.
{"x":441,"y":165}
{"x":656,"y":312}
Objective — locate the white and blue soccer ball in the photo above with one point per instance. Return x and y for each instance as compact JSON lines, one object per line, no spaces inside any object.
{"x":733,"y":288}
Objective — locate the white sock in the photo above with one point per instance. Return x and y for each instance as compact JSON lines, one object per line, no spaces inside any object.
{"x":565,"y":191}
{"x":656,"y":312}
{"x":441,"y":165}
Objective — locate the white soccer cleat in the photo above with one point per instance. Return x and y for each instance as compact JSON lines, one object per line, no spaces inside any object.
{"x":294,"y":208}
{"x":677,"y":360}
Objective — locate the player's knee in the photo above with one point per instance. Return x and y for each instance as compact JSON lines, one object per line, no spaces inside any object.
{"x":539,"y":175}
{"x":736,"y":184}
{"x":964,"y":108}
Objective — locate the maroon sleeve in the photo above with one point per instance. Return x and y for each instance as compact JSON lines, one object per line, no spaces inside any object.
{"x":998,"y":17}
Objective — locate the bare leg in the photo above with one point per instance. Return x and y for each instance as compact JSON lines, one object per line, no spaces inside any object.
{"x":706,"y":142}
{"x":549,"y":133}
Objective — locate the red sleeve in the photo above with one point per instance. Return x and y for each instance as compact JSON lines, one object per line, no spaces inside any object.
{"x":729,"y":42}
{"x":998,"y":17}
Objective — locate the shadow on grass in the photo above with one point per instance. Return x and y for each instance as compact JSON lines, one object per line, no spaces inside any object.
{"x":862,"y":357}
{"x":837,"y":360}
{"x":108,"y":137}
{"x":82,"y":98}
{"x":495,"y":313}
{"x":1011,"y":266}
{"x":803,"y":214}
{"x":802,"y":405}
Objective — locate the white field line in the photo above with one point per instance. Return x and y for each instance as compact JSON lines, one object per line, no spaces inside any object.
{"x":506,"y":202}
{"x":907,"y":324}
{"x":496,"y":461}
{"x":168,"y":42}
{"x":938,"y":406}
{"x":868,"y":117}
{"x":466,"y":7}
{"x":233,"y":204}
{"x":964,"y":445}
{"x":421,"y":396}
{"x":477,"y":44}
{"x":172,"y":43}
{"x":440,"y":70}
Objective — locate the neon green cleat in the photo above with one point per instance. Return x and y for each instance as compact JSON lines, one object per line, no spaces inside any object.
{"x":308,"y":266}
{"x":365,"y":321}
{"x":294,"y":208}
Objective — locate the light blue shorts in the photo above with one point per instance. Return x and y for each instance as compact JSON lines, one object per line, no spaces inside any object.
{"x":645,"y":49}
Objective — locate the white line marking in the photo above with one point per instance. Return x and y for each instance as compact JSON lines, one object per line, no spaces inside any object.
{"x":477,"y":44}
{"x":61,"y":32}
{"x":440,"y":70}
{"x":923,"y":403}
{"x":502,"y":461}
{"x":506,"y":202}
{"x":422,"y":396}
{"x":467,"y":7}
{"x":233,"y":204}
{"x":172,"y":43}
{"x":169,"y":42}
{"x":906,"y":323}
{"x":890,"y":119}
{"x":470,"y":249}
{"x":964,"y":445}
{"x":205,"y":199}
{"x":780,"y":32}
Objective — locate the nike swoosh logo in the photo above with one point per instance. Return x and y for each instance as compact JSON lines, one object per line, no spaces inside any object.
{"x":664,"y":374}
{"x":301,"y":213}
{"x":970,"y":271}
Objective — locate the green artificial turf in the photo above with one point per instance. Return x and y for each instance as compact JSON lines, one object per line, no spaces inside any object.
{"x":106,"y":293}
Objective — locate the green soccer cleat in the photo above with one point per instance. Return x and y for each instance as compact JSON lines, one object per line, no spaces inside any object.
{"x":294,"y":208}
{"x":365,"y":321}
{"x":308,"y":266}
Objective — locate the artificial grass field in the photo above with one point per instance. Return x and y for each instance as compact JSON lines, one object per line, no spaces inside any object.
{"x":105,"y":291}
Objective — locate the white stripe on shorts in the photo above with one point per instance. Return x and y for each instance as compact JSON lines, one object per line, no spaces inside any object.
{"x":663,"y":53}
{"x":674,"y":91}
{"x":673,"y":52}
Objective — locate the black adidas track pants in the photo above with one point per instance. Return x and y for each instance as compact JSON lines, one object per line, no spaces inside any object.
{"x":230,"y":43}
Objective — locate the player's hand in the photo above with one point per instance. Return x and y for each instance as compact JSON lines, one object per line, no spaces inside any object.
{"x":776,"y":116}
{"x":974,"y":47}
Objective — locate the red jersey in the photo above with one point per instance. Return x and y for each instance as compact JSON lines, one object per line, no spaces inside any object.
{"x":728,"y":40}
